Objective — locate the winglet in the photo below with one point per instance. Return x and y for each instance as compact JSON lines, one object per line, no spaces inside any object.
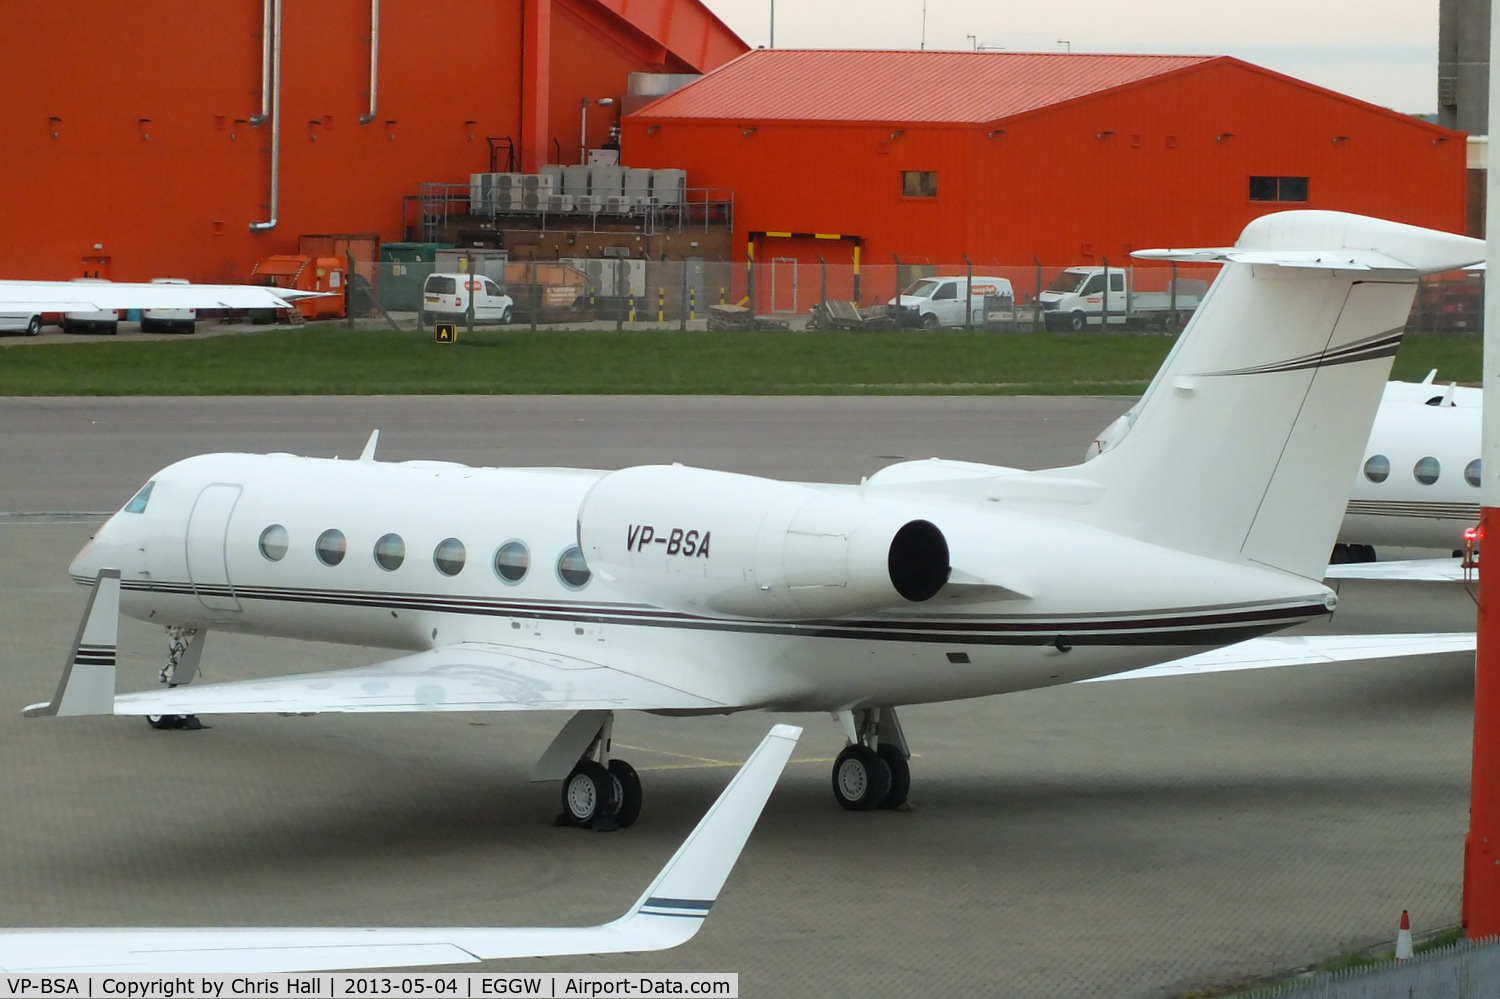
{"x":368,"y":454}
{"x":87,"y":686}
{"x":670,"y":911}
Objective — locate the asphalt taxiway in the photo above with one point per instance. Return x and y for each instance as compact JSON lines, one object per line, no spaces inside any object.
{"x":1118,"y":839}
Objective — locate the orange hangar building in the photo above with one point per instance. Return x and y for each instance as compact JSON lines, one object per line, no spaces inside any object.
{"x":191,"y":139}
{"x":1015,"y":157}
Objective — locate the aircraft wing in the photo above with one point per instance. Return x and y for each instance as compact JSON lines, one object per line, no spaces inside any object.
{"x":1304,"y":650}
{"x":103,"y":296}
{"x":668,"y":913}
{"x":1419,"y":570}
{"x":472,"y":676}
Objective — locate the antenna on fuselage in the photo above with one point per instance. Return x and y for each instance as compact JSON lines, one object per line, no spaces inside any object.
{"x":368,"y":454}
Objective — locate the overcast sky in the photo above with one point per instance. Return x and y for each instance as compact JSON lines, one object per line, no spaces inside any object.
{"x":1383,"y":51}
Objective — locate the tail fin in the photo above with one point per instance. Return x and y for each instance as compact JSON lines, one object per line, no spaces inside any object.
{"x":1246,"y":441}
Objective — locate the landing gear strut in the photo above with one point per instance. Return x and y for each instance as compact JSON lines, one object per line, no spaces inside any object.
{"x":872,"y":771}
{"x":183,"y":656}
{"x":601,"y":793}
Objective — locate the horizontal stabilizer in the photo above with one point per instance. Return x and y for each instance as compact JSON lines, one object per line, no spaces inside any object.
{"x":669,"y":913}
{"x":471,"y":676}
{"x":1417,"y":570}
{"x":1336,"y":241}
{"x":1304,"y":650}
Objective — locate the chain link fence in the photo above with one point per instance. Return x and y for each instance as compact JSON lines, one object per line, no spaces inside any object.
{"x":484,"y":287}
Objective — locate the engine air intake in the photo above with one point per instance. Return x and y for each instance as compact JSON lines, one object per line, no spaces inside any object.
{"x":918,"y":561}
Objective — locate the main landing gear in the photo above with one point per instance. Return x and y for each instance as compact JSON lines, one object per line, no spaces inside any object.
{"x":872,"y":771}
{"x":183,"y":656}
{"x":599,"y":792}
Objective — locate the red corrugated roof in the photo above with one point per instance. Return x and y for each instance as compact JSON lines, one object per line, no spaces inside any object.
{"x":864,"y":85}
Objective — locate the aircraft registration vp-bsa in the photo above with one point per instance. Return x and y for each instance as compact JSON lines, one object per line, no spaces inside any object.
{"x":687,"y":591}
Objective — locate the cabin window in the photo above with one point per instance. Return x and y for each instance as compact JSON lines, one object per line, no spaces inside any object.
{"x":390,"y":552}
{"x":449,"y":557}
{"x":1471,"y":473}
{"x":572,"y":569}
{"x":1278,"y":188}
{"x":512,"y":559}
{"x":273,"y":543}
{"x":1427,"y":470}
{"x":919,"y":183}
{"x":331,"y":547}
{"x":138,"y":502}
{"x":1377,"y":467}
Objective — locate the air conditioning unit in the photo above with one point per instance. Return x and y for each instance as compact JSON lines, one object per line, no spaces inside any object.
{"x":587,"y":203}
{"x":554,"y":174}
{"x":638,"y":186}
{"x":481,"y":194}
{"x":536,"y":182}
{"x":575,"y":180}
{"x":559,"y":203}
{"x":617,"y":204}
{"x":669,"y":187}
{"x":607,"y":181}
{"x":534,"y":200}
{"x":507,"y":199}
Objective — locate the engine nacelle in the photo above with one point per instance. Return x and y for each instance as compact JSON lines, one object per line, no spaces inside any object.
{"x":699,"y":541}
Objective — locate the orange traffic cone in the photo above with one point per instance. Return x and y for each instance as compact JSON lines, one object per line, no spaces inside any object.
{"x":1403,"y":938}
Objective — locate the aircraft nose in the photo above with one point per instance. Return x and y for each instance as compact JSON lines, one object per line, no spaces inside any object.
{"x":86,"y":562}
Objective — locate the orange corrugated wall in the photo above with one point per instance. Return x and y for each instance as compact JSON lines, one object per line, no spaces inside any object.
{"x":1051,"y":187}
{"x":175,"y":196}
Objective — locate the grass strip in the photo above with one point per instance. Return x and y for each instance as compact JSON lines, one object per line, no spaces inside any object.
{"x":323,"y":360}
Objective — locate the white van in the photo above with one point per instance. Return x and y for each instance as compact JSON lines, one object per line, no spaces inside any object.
{"x":169,"y":320}
{"x":103,"y":321}
{"x":939,"y":301}
{"x":29,"y":323}
{"x":445,"y":298}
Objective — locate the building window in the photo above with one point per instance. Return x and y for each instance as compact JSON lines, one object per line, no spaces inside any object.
{"x":919,"y":183}
{"x":1278,"y":188}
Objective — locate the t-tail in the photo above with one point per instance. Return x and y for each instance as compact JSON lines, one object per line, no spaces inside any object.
{"x":1244,"y":445}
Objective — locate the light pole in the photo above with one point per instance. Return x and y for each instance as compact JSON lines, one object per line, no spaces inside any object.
{"x":583,"y":125}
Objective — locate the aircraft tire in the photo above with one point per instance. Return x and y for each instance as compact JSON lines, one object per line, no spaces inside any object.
{"x":588,"y":794}
{"x":861,"y":778}
{"x":627,"y":792}
{"x":900,"y":775}
{"x":163,"y":721}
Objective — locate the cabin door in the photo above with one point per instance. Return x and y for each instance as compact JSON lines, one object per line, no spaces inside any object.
{"x":207,"y":536}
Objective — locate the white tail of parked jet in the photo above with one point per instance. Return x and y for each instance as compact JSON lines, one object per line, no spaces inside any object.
{"x":1245,"y":443}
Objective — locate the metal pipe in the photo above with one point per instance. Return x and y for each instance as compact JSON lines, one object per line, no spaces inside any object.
{"x":265,"y":66}
{"x":365,"y":119}
{"x":270,"y":223}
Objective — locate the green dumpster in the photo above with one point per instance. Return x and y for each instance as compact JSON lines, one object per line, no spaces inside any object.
{"x":403,"y":268}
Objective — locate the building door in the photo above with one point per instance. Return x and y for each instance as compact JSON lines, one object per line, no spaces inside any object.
{"x":207,"y":537}
{"x":784,"y":284}
{"x":95,"y":266}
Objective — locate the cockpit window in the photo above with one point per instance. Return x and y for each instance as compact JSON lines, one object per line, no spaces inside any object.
{"x":138,"y":502}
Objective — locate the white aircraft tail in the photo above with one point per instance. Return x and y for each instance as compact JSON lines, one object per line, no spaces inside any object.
{"x":1246,"y":441}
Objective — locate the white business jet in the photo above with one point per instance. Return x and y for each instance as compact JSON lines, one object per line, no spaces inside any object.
{"x":682,"y":590}
{"x":667,"y":914}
